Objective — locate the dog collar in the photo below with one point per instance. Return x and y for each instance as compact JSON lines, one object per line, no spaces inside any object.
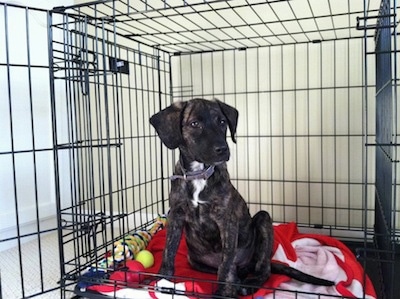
{"x":194,"y":175}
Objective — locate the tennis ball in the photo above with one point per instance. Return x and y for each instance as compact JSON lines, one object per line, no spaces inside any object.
{"x":146,"y":258}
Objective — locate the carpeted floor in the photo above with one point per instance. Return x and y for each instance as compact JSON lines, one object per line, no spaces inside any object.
{"x":40,"y":270}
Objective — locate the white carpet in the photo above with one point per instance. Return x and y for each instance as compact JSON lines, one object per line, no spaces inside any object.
{"x":33,"y":280}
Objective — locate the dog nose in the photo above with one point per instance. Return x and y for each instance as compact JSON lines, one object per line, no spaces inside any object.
{"x":220,"y":149}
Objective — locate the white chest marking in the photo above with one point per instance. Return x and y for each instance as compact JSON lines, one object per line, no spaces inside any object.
{"x":198,"y":185}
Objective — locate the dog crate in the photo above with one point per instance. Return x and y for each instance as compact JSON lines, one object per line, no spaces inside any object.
{"x":315,"y":83}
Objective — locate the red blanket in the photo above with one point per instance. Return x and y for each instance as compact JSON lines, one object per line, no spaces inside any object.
{"x":318,"y":255}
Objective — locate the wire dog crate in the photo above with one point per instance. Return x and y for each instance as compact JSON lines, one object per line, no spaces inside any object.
{"x":315,"y":83}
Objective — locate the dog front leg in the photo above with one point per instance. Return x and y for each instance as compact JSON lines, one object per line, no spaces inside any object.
{"x":176,"y":219}
{"x":227,"y":271}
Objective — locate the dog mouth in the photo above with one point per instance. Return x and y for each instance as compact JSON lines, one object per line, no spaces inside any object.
{"x":217,"y":159}
{"x":217,"y":162}
{"x":217,"y":156}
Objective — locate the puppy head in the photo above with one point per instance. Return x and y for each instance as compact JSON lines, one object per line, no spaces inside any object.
{"x":198,"y":127}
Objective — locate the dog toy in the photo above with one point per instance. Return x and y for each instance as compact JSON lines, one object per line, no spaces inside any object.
{"x":145,"y":257}
{"x":134,"y":268}
{"x":129,"y":246}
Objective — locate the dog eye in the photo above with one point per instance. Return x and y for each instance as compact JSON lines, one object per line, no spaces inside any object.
{"x":222,"y":122}
{"x":195,"y":124}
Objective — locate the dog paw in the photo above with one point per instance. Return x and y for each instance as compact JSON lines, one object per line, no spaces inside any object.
{"x":166,"y":271}
{"x":221,"y":296}
{"x":249,"y":287}
{"x":226,"y":292}
{"x":246,"y":291}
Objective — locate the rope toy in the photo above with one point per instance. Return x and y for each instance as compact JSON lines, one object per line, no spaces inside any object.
{"x":129,"y":246}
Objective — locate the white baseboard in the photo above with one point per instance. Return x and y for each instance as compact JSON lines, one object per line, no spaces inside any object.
{"x":28,"y":226}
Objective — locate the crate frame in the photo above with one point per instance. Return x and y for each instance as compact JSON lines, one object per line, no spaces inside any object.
{"x":101,"y":138}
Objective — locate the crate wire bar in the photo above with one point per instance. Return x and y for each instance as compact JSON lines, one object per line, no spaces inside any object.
{"x":27,"y":205}
{"x":386,"y":202}
{"x":315,"y":83}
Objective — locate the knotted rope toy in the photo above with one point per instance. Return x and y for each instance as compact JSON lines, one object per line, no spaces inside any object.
{"x":129,"y":246}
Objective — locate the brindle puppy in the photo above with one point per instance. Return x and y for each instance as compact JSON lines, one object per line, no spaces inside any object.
{"x":221,"y":235}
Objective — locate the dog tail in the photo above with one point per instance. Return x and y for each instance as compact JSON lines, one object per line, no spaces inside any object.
{"x":278,"y":268}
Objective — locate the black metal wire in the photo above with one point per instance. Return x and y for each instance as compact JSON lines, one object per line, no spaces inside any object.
{"x":135,"y":22}
{"x":110,"y":167}
{"x":386,"y":155}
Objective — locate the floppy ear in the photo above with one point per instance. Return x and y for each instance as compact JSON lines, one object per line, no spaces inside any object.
{"x":232,"y":115}
{"x":167,"y":123}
